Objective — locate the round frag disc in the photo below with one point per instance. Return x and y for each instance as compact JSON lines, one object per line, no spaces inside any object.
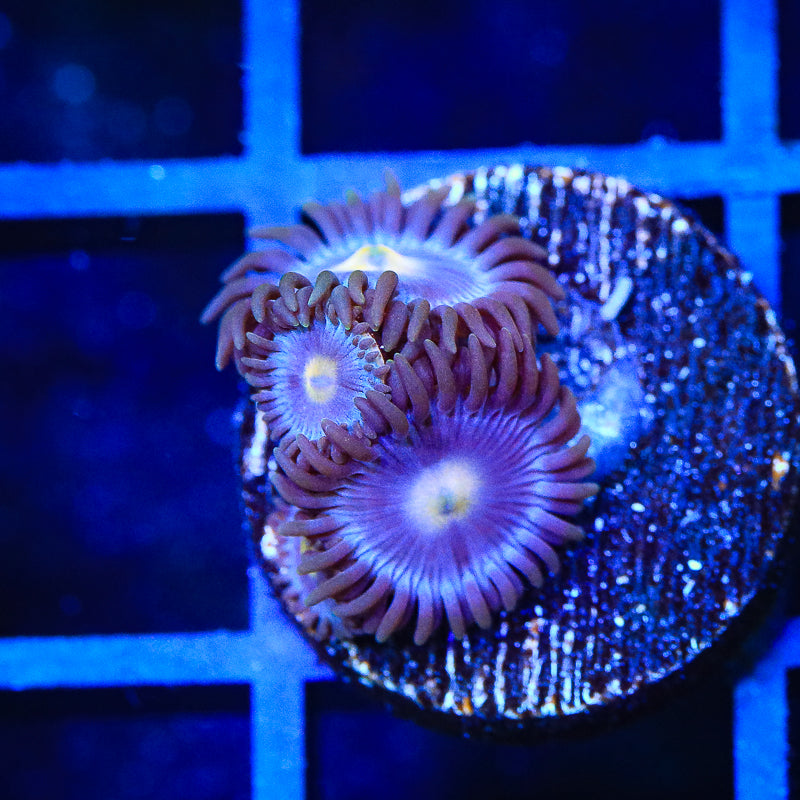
{"x":686,"y":387}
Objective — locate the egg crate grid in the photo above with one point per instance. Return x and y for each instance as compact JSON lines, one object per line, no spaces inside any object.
{"x":752,"y":201}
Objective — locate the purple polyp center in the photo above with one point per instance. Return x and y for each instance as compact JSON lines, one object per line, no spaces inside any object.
{"x":317,"y":374}
{"x":427,"y":271}
{"x":453,"y":491}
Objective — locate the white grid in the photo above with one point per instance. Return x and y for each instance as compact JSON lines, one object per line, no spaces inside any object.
{"x":749,"y":168}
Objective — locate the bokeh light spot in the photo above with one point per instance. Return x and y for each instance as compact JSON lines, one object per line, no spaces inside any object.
{"x":73,"y":83}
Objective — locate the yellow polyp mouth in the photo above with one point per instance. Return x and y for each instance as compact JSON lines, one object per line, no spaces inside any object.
{"x":320,"y":379}
{"x":443,"y":494}
{"x":380,"y":258}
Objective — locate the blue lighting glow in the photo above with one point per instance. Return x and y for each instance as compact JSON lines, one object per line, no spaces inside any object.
{"x":74,"y":84}
{"x":6,"y":30}
{"x":163,"y":147}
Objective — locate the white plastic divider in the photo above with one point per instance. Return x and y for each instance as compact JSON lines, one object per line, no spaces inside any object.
{"x":761,"y":717}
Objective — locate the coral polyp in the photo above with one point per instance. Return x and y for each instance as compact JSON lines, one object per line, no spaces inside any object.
{"x":312,"y":374}
{"x":281,"y":555}
{"x":450,"y":271}
{"x":453,"y":520}
{"x":312,"y":367}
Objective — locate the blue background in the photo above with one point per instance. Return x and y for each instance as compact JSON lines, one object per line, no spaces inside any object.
{"x":118,"y":487}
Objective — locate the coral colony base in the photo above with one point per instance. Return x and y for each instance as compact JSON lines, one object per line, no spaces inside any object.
{"x":415,"y":459}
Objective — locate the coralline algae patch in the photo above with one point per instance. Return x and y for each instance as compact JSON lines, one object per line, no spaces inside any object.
{"x":694,"y":500}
